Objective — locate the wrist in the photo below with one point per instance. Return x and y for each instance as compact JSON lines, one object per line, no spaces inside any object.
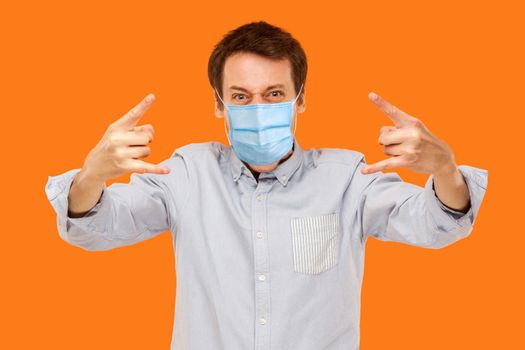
{"x":85,"y":177}
{"x":449,"y":169}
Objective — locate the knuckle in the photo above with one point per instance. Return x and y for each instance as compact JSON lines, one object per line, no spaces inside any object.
{"x":412,"y":157}
{"x":416,"y":134}
{"x":118,"y":153}
{"x":119,"y":164}
{"x":138,"y":167}
{"x":146,"y":136}
{"x":392,"y":109}
{"x":109,"y":147}
{"x":113,"y":138}
{"x":417,"y":123}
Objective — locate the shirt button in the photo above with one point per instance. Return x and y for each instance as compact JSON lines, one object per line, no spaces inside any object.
{"x":259,"y":197}
{"x":262,"y":321}
{"x":262,"y":277}
{"x":259,"y":234}
{"x":284,"y":177}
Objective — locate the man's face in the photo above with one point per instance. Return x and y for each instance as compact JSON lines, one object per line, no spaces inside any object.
{"x":249,"y":79}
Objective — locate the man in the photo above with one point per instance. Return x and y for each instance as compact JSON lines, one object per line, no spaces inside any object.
{"x":269,"y":238}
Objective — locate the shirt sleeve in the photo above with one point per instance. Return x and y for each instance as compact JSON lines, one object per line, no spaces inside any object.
{"x":455,"y":213}
{"x":126,"y":213}
{"x":394,"y":210}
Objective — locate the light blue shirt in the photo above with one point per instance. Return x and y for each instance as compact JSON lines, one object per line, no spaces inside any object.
{"x":270,"y":264}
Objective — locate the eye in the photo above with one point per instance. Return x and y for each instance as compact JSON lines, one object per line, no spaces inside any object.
{"x":239,"y":97}
{"x":276,"y":93}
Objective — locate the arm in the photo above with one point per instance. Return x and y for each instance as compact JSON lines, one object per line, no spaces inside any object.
{"x":125,"y":213}
{"x":451,"y":189}
{"x":394,"y":210}
{"x":84,"y":194}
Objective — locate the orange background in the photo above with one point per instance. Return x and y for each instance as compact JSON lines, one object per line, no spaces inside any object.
{"x":69,"y":69}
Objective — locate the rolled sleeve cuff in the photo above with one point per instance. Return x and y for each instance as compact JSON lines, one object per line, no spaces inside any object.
{"x":447,"y":219}
{"x":57,"y":191}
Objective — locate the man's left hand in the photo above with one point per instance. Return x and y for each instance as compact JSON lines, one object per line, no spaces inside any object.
{"x":410,"y":144}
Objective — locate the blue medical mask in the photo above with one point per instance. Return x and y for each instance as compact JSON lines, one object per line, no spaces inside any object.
{"x":260,"y":133}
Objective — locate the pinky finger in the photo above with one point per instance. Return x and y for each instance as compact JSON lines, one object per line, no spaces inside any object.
{"x":384,"y":164}
{"x":145,"y":167}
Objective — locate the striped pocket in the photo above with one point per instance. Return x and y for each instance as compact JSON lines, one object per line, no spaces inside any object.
{"x":315,"y":241}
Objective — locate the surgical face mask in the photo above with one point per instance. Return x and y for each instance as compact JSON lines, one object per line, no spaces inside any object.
{"x":260,"y":133}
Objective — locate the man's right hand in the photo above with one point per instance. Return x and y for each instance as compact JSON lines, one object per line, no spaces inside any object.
{"x":123,"y":143}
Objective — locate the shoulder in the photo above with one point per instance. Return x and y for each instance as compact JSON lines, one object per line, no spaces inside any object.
{"x":188,"y":160}
{"x":200,"y":154}
{"x":329,"y":155}
{"x":200,"y":149}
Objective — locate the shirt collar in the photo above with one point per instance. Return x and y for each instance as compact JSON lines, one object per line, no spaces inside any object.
{"x":283,"y":171}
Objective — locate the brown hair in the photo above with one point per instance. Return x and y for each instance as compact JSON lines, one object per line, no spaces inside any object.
{"x":263,"y":39}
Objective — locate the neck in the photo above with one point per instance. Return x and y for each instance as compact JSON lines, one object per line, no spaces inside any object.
{"x":256,"y":170}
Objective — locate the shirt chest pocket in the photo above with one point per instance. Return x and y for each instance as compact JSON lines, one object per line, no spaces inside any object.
{"x":315,"y":243}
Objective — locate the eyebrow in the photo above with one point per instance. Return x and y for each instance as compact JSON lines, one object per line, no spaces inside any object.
{"x":233,"y":87}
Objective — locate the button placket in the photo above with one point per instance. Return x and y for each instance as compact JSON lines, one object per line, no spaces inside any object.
{"x":261,"y":264}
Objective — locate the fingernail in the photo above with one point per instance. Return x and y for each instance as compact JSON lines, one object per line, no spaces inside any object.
{"x":149,"y":98}
{"x":373,"y":96}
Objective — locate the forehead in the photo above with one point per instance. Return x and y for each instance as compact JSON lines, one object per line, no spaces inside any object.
{"x":255,"y":73}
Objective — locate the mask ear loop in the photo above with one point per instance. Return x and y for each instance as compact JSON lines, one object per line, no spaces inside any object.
{"x":295,"y":114}
{"x":224,"y":124}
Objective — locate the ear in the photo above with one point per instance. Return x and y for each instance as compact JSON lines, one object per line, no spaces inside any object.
{"x":301,"y":107}
{"x":219,"y":113}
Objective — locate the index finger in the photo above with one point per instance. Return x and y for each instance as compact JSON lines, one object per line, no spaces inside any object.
{"x":132,"y":117}
{"x":398,"y":116}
